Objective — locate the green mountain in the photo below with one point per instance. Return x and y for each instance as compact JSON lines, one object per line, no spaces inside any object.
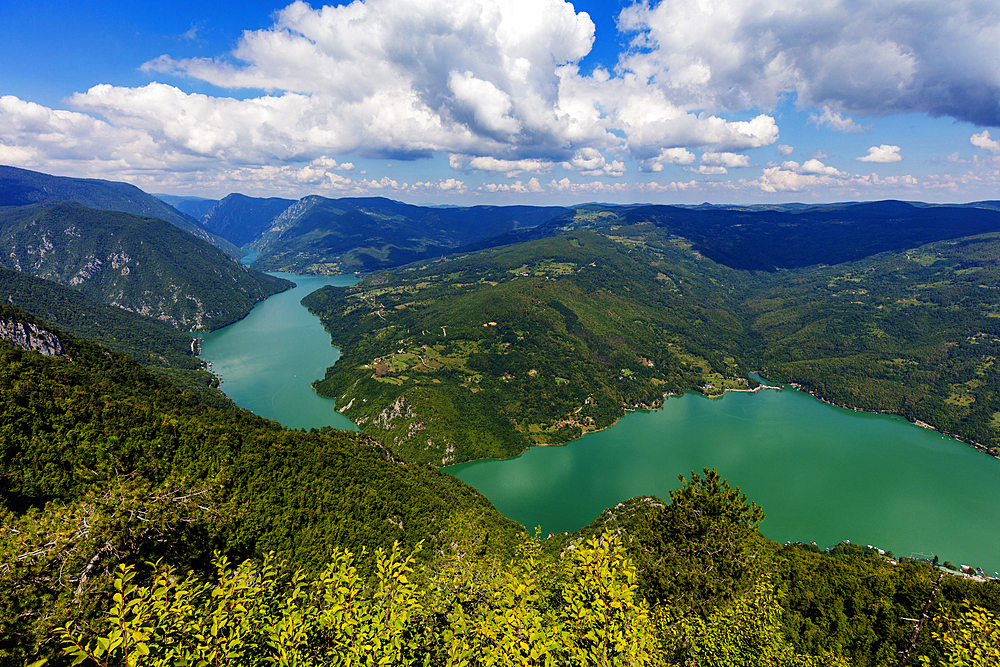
{"x":21,"y":187}
{"x":145,"y":265}
{"x":486,"y":354}
{"x":319,"y":235}
{"x":103,"y":463}
{"x":241,"y":219}
{"x":914,"y":333}
{"x":156,"y":345}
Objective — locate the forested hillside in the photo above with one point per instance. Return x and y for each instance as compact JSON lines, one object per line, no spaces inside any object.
{"x":484,"y":355}
{"x":156,"y":345}
{"x":104,"y":463}
{"x":140,"y":264}
{"x":915,"y":333}
{"x":542,"y":341}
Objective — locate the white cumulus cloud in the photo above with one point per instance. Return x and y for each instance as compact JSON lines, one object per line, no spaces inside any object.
{"x":590,"y":162}
{"x":982,"y":140}
{"x":728,"y":160}
{"x":509,"y":167}
{"x":835,"y":121}
{"x":883,"y":153}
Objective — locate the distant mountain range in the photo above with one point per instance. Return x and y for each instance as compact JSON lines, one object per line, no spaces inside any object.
{"x":192,"y":206}
{"x":777,"y":237}
{"x":20,"y":187}
{"x":243,"y":219}
{"x":329,"y":236}
{"x":320,"y":235}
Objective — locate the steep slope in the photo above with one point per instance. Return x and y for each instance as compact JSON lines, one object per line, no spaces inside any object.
{"x":20,"y":187}
{"x":140,"y":264}
{"x":103,"y":463}
{"x":241,"y":219}
{"x":156,"y":345}
{"x":319,"y":235}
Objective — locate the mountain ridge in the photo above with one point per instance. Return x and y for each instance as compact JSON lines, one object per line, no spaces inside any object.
{"x":20,"y":187}
{"x":145,"y":265}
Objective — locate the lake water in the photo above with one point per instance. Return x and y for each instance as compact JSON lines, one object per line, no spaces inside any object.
{"x":821,"y":473}
{"x":268,"y":360}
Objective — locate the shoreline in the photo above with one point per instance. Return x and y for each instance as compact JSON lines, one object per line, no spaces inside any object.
{"x":634,"y":408}
{"x":979,"y":447}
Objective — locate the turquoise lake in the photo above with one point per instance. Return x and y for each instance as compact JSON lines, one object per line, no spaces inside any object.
{"x":821,"y":473}
{"x":268,"y":360}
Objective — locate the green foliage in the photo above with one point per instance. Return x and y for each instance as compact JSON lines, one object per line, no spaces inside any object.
{"x":535,"y":344}
{"x":256,"y":615}
{"x":703,"y":546}
{"x":697,"y":552}
{"x":582,"y":609}
{"x":970,"y":638}
{"x":145,"y":265}
{"x":154,"y":344}
{"x":747,"y":632}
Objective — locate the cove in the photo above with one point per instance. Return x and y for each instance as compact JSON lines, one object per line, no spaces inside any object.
{"x":268,"y":360}
{"x":820,"y":472}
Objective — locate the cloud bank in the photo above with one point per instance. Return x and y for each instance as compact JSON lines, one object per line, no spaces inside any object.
{"x":496,"y":85}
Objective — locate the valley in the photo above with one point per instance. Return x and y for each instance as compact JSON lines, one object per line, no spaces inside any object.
{"x":465,"y":342}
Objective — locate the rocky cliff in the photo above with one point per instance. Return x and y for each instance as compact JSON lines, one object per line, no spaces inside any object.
{"x":31,"y":337}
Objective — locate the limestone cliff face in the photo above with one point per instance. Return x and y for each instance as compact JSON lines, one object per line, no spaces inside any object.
{"x":31,"y":337}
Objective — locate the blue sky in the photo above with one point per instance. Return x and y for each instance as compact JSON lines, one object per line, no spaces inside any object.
{"x":511,"y":101}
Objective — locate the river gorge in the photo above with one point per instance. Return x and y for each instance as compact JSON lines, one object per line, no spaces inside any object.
{"x":822,"y":473}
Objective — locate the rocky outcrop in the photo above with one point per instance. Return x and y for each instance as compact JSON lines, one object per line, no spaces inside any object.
{"x":31,"y":337}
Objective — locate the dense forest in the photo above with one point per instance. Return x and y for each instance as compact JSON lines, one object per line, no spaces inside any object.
{"x":139,"y":522}
{"x":103,"y":463}
{"x":481,"y":356}
{"x":542,"y":341}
